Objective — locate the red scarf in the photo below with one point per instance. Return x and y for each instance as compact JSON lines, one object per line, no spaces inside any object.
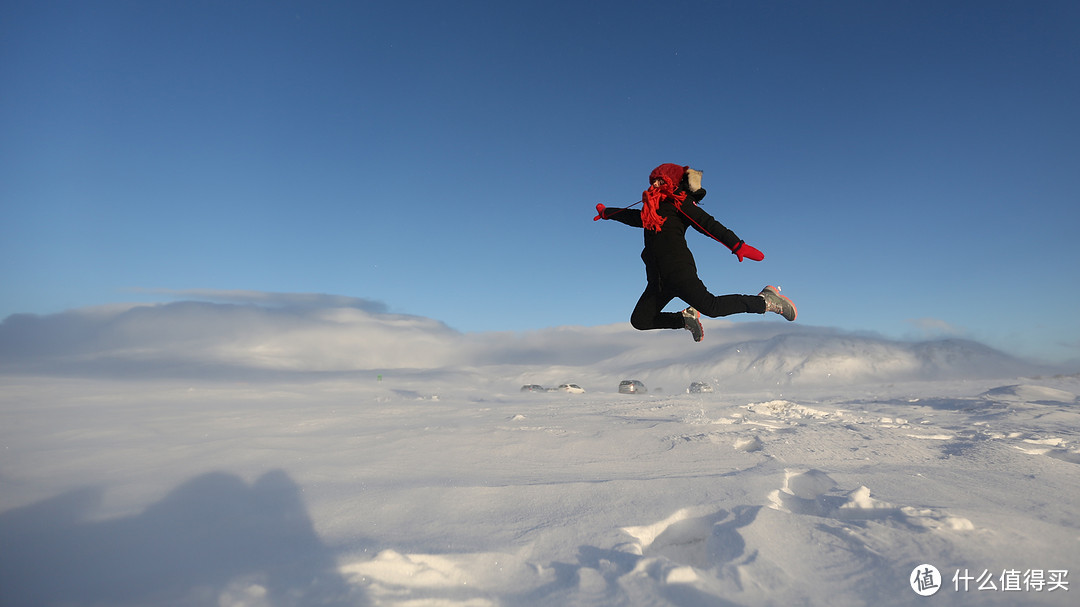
{"x":669,"y":175}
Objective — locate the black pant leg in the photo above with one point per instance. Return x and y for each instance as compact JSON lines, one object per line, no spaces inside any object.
{"x":691,"y":290}
{"x":647,"y":314}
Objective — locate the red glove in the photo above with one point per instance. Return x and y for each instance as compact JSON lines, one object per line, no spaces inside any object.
{"x":742,"y":250}
{"x":599,"y":211}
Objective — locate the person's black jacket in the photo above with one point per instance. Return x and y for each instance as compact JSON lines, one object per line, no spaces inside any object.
{"x":666,"y":251}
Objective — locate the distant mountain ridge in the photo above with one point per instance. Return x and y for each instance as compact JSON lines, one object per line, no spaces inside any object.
{"x":801,"y":357}
{"x":329,"y":335}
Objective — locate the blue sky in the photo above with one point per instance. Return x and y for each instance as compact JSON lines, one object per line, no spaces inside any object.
{"x":908,"y":168}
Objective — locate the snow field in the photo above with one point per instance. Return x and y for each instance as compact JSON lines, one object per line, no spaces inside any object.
{"x":356,"y":492}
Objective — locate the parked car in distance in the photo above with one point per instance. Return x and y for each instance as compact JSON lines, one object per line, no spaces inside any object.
{"x":631,"y":386}
{"x":532,"y":388}
{"x":571,"y":388}
{"x":699,"y":387}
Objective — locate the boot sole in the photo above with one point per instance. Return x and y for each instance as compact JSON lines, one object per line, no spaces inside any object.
{"x":701,"y":328}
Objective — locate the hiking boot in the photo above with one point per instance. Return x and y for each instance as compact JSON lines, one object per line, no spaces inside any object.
{"x":692,"y":322}
{"x":775,"y":302}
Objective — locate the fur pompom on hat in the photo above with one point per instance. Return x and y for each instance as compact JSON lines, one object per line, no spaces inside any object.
{"x":693,"y":179}
{"x":670,"y":176}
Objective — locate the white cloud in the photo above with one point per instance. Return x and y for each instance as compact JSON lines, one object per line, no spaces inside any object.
{"x":306,"y":333}
{"x":275,"y":300}
{"x":935,"y":327}
{"x":301,"y":337}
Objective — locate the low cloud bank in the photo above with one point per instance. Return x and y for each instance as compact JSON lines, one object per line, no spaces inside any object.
{"x":306,"y":333}
{"x":277,"y":335}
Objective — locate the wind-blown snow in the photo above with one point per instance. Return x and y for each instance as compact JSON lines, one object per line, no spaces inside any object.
{"x":312,"y":450}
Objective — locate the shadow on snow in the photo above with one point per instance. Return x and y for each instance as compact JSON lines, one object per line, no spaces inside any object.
{"x":212,"y":540}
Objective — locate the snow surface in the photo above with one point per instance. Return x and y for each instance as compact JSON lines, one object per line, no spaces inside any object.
{"x":334,"y":454}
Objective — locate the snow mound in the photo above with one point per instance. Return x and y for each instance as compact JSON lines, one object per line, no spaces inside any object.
{"x":1028,"y":393}
{"x":787,"y":409}
{"x":393,"y":578}
{"x":747,"y":549}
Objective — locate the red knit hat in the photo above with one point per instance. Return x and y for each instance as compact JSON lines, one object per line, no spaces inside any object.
{"x":670,"y":175}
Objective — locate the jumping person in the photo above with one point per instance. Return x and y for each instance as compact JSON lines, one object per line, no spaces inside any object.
{"x":669,"y":207}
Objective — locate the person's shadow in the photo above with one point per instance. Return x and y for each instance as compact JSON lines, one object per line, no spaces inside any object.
{"x":210,"y":539}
